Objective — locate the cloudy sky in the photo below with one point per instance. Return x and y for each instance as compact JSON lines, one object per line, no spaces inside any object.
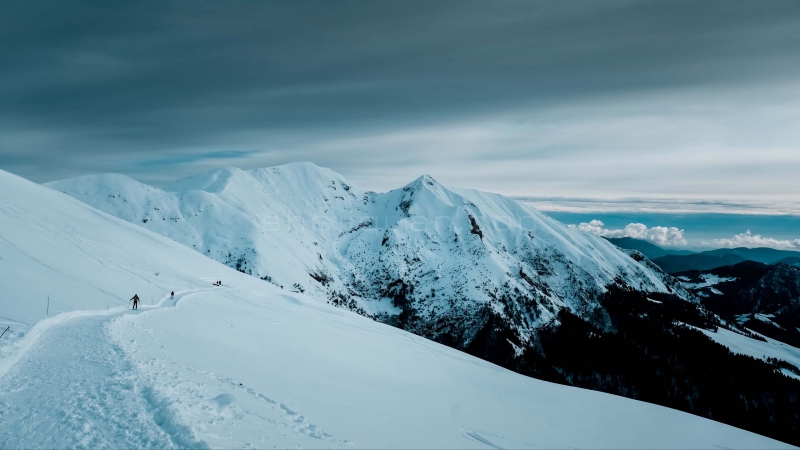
{"x":678,"y":104}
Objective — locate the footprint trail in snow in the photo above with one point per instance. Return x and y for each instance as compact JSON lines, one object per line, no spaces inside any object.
{"x":75,"y":388}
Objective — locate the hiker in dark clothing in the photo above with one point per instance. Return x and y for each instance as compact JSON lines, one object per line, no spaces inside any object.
{"x":172,"y":295}
{"x":135,"y":299}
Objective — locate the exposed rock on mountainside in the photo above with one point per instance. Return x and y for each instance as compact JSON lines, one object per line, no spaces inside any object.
{"x":436,"y":261}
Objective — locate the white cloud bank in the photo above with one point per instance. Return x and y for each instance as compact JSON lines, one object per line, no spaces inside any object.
{"x":749,"y":240}
{"x":666,"y":236}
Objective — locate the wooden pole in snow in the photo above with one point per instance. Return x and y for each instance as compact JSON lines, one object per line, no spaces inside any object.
{"x":4,"y":331}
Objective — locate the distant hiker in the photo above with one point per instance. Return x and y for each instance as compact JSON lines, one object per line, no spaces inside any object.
{"x":135,"y":300}
{"x":172,"y":295}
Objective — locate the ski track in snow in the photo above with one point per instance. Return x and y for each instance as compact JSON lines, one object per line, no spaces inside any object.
{"x":72,"y":387}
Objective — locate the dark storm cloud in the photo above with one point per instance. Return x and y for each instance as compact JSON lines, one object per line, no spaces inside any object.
{"x":128,"y":86}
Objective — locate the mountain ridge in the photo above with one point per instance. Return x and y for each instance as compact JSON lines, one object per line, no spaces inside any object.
{"x":674,"y":261}
{"x":366,"y":251}
{"x":650,"y":250}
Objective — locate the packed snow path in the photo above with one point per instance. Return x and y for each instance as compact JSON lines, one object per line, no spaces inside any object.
{"x":75,"y":388}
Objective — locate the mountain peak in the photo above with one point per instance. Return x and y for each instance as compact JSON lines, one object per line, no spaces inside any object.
{"x":214,"y":180}
{"x":104,"y":184}
{"x":300,"y":169}
{"x":426,"y":180}
{"x":300,"y":165}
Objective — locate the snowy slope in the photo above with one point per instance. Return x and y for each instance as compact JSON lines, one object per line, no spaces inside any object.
{"x":250,"y":364}
{"x":744,"y":345}
{"x":436,"y":261}
{"x":52,"y":245}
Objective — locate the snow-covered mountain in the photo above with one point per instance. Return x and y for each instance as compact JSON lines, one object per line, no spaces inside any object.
{"x":474,"y":271}
{"x":440,"y":262}
{"x":249,"y":364}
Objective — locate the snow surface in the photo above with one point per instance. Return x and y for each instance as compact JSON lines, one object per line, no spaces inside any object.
{"x":454,"y":254}
{"x":250,"y":364}
{"x":709,"y":279}
{"x":744,"y":345}
{"x":766,"y":318}
{"x":790,"y":374}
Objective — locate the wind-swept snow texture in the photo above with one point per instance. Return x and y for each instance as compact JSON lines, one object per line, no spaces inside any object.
{"x":435,"y":261}
{"x":250,"y":364}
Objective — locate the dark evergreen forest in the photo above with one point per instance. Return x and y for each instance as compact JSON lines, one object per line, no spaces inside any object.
{"x":654,"y":352}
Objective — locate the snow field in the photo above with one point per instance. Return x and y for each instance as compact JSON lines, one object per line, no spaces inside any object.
{"x":251,"y":364}
{"x":751,"y":347}
{"x":261,"y":370}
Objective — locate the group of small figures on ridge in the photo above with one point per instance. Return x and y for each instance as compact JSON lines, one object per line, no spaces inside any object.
{"x":135,"y":298}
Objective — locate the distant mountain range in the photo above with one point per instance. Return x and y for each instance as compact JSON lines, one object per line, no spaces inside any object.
{"x":675,"y":261}
{"x":652,"y":251}
{"x":755,"y":289}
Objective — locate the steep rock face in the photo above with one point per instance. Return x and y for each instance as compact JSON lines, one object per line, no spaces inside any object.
{"x":442,"y":263}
